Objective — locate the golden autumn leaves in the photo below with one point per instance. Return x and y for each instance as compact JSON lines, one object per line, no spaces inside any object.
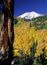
{"x":25,"y":36}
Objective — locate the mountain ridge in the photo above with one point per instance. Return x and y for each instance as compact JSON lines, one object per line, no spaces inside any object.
{"x":30,"y":15}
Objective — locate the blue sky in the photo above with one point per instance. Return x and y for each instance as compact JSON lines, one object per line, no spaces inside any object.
{"x":0,"y":7}
{"x":22,"y":6}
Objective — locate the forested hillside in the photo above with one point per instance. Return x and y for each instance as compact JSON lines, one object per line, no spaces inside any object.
{"x":30,"y":41}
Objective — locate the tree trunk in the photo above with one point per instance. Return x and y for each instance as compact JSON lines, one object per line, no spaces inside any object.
{"x":7,"y":31}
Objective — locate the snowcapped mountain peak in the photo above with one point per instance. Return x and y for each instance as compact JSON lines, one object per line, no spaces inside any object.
{"x":30,"y":15}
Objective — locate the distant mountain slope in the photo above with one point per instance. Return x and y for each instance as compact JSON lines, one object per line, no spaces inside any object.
{"x":39,"y":22}
{"x":40,"y":19}
{"x":30,"y":15}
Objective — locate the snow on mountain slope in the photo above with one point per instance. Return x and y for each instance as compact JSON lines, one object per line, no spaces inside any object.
{"x":30,"y":15}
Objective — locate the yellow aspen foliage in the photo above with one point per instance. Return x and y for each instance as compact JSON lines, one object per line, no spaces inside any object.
{"x":25,"y":36}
